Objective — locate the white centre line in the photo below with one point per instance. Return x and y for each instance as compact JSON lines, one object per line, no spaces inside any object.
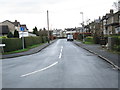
{"x":60,"y":56}
{"x":39,"y":70}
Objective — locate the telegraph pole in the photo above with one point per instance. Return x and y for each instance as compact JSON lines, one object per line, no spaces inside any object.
{"x":83,"y":26}
{"x":48,"y":26}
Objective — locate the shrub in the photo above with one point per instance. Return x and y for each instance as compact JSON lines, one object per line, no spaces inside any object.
{"x":80,"y":37}
{"x":96,"y":39}
{"x":10,"y":35}
{"x":16,"y":34}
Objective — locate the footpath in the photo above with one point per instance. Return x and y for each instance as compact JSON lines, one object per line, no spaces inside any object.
{"x":96,"y":49}
{"x":29,"y":52}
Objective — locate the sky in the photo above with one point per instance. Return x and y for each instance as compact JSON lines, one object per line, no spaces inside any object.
{"x":62,"y":13}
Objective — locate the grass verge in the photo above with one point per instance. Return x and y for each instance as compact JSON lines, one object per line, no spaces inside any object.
{"x":86,"y":42}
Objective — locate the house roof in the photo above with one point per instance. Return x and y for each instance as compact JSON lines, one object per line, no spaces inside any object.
{"x":4,"y":29}
{"x":7,"y":21}
{"x":16,"y":23}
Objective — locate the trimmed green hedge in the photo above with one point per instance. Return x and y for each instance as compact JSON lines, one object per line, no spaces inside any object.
{"x":12,"y":44}
{"x":116,"y":46}
{"x":29,"y":41}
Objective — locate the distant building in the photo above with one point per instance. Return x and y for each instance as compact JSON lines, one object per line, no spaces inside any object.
{"x":58,"y":33}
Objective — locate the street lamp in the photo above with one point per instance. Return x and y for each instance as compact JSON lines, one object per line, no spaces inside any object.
{"x":82,"y":25}
{"x":48,"y":26}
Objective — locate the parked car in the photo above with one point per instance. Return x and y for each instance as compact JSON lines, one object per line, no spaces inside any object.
{"x":70,"y":38}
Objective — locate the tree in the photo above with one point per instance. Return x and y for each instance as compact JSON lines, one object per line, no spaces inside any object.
{"x":116,"y":5}
{"x":10,"y":35}
{"x":16,"y":34}
{"x":44,"y":29}
{"x":35,"y":31}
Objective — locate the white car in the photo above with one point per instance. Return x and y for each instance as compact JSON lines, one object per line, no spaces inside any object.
{"x":69,"y":37}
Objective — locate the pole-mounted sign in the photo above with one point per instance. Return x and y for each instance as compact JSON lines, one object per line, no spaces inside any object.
{"x":22,"y":29}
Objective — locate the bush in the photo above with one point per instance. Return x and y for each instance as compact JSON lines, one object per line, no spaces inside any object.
{"x":96,"y":39}
{"x":116,"y":48}
{"x":80,"y":37}
{"x":10,"y":35}
{"x":12,"y":44}
{"x":16,"y":34}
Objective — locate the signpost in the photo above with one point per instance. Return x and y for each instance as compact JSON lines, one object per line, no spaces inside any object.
{"x":22,"y":29}
{"x":1,"y":48}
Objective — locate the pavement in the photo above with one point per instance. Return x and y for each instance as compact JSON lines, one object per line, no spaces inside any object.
{"x":97,"y":49}
{"x":29,"y":52}
{"x":60,"y":65}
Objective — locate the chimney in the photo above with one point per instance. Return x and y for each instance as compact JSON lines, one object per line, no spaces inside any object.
{"x":111,"y":11}
{"x":15,"y":20}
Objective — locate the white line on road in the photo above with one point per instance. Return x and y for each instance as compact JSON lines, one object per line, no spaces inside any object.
{"x":61,"y":52}
{"x":60,"y":55}
{"x":39,"y":70}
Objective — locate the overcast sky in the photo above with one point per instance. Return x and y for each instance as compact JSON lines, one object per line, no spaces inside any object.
{"x":62,"y":13}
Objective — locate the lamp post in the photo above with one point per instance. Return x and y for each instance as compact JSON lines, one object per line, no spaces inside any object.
{"x":48,"y":26}
{"x":83,"y":25}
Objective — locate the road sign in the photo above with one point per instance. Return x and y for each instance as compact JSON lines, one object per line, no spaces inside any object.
{"x":2,"y":45}
{"x":22,"y":28}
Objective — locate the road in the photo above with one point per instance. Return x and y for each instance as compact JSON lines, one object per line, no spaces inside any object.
{"x":60,"y":65}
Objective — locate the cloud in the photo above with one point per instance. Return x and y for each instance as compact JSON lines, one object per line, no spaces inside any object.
{"x":63,"y":13}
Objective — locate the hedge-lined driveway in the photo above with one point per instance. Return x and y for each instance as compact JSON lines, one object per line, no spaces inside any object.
{"x":60,"y":65}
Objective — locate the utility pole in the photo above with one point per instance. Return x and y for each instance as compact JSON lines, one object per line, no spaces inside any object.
{"x":48,"y":26}
{"x":83,"y":25}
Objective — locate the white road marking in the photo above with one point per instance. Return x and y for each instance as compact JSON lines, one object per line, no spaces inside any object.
{"x":45,"y":67}
{"x":61,"y":52}
{"x":39,"y":70}
{"x":60,"y":55}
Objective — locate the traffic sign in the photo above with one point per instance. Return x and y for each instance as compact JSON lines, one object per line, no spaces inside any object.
{"x":22,"y":28}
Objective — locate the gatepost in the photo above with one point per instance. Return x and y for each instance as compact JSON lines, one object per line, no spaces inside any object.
{"x":110,"y":43}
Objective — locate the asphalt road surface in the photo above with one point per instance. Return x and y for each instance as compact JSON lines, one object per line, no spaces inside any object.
{"x":60,"y":65}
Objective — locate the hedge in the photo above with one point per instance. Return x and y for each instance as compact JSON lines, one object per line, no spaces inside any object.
{"x":29,"y":41}
{"x":116,"y":46}
{"x":12,"y":44}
